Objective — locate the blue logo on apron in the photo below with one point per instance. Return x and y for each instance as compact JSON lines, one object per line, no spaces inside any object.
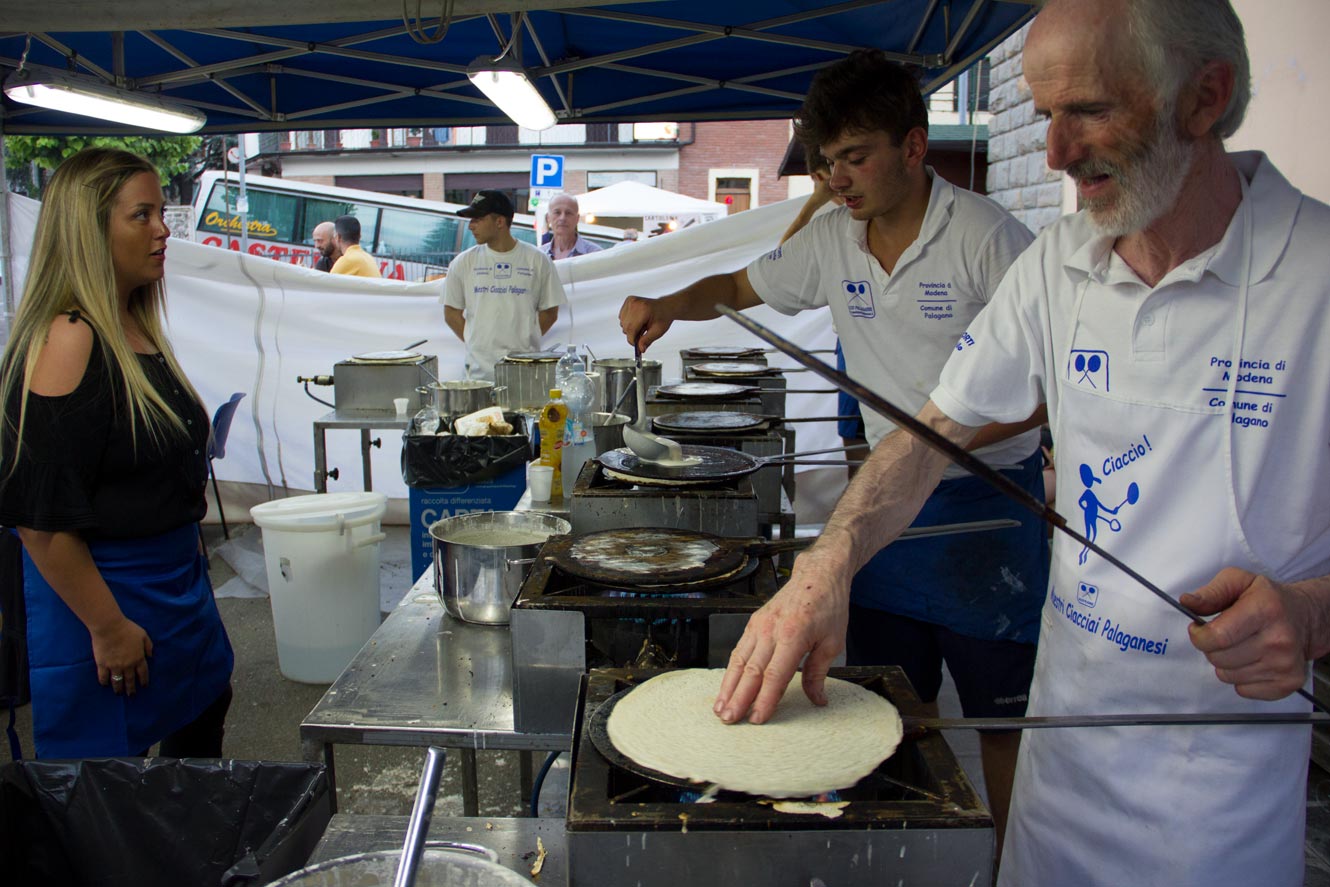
{"x":1096,"y":510}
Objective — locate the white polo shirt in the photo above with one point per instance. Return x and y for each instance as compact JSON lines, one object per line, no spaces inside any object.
{"x":501,"y":296}
{"x":1192,"y":423}
{"x":898,"y":329}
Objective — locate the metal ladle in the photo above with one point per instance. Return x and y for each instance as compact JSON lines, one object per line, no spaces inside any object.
{"x":647,"y":446}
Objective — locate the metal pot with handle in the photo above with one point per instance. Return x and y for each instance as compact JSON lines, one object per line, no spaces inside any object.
{"x":458,"y":398}
{"x":476,"y":569}
{"x":616,"y":375}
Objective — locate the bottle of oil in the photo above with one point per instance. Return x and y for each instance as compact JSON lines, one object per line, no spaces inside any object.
{"x":553,"y":422}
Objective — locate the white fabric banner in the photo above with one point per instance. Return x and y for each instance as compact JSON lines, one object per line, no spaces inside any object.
{"x":248,"y":323}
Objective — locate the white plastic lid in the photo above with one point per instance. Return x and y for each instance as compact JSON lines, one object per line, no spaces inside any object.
{"x":319,"y":512}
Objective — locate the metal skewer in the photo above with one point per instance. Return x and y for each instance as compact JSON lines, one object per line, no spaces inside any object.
{"x":960,"y":456}
{"x":1137,"y":720}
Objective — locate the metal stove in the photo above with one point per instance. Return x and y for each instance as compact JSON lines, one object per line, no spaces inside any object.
{"x":723,"y":508}
{"x":564,"y":624}
{"x":706,"y":354}
{"x":916,"y":820}
{"x":774,"y":484}
{"x":361,"y":383}
{"x":659,"y":404}
{"x":772,"y":384}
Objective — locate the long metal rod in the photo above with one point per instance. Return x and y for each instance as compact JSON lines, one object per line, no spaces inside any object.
{"x":1140,"y":720}
{"x":957,"y":454}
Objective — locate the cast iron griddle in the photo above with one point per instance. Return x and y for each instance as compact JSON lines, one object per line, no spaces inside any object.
{"x":705,"y":390}
{"x":732,"y":368}
{"x":533,"y":356}
{"x":655,"y":558}
{"x":724,"y":352}
{"x":713,"y":465}
{"x":709,"y":420}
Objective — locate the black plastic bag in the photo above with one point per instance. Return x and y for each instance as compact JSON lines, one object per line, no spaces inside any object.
{"x":159,"y":821}
{"x":453,"y":460}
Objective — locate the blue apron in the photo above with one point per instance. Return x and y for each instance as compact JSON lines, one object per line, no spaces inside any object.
{"x":987,"y":585}
{"x":161,"y":583}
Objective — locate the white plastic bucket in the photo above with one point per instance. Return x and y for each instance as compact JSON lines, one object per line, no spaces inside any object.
{"x":322,"y":555}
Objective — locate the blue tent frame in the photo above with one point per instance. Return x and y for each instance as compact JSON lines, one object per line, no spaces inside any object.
{"x":671,"y":60}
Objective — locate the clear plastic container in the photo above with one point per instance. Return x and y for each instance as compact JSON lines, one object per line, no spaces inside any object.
{"x":579,"y":444}
{"x":553,"y":422}
{"x":427,"y":420}
{"x":566,"y":366}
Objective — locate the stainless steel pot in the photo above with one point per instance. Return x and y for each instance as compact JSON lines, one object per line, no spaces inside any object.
{"x":528,"y":383}
{"x":472,"y":573}
{"x":616,"y":374}
{"x":441,"y":866}
{"x":461,"y":397}
{"x":607,"y":429}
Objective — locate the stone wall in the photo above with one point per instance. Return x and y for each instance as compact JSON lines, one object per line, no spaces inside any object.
{"x":1018,"y":177}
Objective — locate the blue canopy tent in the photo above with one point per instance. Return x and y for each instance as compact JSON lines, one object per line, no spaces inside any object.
{"x":256,"y":65}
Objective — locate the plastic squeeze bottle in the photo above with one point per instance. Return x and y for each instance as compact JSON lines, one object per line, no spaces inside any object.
{"x":552,"y":424}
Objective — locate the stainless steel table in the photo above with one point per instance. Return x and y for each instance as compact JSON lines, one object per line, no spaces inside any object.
{"x":513,"y":839}
{"x":424,"y":678}
{"x":362,"y":420}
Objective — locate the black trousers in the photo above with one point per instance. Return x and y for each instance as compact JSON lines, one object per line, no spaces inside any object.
{"x":202,"y":737}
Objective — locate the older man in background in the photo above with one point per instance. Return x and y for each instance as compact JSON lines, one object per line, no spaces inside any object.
{"x":561,"y":219}
{"x":325,"y":241}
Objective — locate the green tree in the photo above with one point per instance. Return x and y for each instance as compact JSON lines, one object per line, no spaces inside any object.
{"x":170,"y":154}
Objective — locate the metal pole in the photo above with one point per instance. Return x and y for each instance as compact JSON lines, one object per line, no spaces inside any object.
{"x":242,"y":199}
{"x":6,"y":259}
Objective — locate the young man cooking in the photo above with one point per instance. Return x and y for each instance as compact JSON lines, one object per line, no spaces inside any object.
{"x":1176,"y":329}
{"x":904,"y":266}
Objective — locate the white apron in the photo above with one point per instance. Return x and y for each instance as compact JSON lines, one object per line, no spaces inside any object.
{"x":1143,"y":806}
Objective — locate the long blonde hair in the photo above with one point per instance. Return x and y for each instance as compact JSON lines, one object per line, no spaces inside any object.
{"x":71,"y":269}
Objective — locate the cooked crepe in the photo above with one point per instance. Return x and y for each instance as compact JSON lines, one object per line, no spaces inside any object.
{"x":666,"y":724}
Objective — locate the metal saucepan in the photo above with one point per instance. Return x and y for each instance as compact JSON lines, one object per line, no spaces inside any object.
{"x":607,"y":430}
{"x":474,"y":555}
{"x":711,"y":465}
{"x":458,"y":398}
{"x":723,"y":421}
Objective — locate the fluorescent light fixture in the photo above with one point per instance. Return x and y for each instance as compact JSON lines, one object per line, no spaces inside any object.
{"x":75,"y":95}
{"x":506,"y":85}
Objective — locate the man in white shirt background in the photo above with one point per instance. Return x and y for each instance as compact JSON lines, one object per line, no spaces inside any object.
{"x":501,"y":295}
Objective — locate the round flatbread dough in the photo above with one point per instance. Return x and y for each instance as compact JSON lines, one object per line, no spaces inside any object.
{"x":666,"y":724}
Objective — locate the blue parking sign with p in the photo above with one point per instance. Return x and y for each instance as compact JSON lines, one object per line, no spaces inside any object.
{"x":547,"y":171}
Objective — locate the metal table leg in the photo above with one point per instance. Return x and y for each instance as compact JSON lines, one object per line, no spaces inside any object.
{"x":525,"y":780}
{"x":470,"y":786}
{"x":320,"y":459}
{"x":322,"y":752}
{"x":364,"y":458}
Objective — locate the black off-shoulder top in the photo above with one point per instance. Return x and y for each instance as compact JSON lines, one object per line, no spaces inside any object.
{"x":81,"y":471}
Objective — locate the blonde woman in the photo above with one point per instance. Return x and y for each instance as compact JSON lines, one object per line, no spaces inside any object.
{"x":102,"y":470}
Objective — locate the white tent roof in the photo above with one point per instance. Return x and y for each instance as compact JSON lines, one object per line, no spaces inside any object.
{"x":636,"y":199}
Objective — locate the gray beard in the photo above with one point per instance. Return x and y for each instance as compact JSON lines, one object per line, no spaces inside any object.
{"x":1148,"y":185}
